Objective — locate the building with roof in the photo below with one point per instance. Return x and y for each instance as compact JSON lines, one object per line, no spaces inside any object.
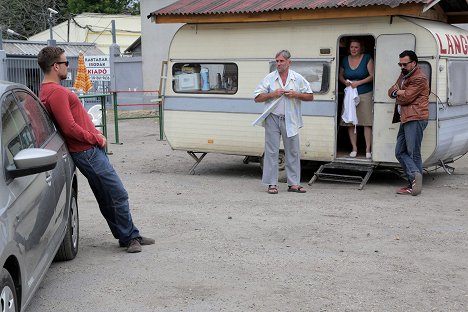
{"x":155,"y":42}
{"x":22,"y":48}
{"x":134,"y":49}
{"x":169,"y":16}
{"x":210,"y":11}
{"x":20,"y":60}
{"x":95,"y":28}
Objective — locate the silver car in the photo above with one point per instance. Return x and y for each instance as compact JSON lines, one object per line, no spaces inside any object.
{"x":38,"y":196}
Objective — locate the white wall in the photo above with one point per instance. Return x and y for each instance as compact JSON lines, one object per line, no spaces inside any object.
{"x":155,"y":41}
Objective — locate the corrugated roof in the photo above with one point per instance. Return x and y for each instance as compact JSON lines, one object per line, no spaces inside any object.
{"x":72,"y":49}
{"x":199,"y":7}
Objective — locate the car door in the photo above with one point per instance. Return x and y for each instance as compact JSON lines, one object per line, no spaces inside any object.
{"x":33,"y":197}
{"x":47,"y":137}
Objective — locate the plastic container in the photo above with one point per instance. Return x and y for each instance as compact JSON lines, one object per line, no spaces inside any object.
{"x":204,"y":73}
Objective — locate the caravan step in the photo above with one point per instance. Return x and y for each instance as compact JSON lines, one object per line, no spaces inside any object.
{"x":334,"y":172}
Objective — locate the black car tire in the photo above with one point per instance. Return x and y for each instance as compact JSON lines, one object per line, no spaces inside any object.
{"x":69,"y":247}
{"x":9,"y":301}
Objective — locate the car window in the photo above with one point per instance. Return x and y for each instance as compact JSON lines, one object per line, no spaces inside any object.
{"x":16,"y":132}
{"x":42,"y":126}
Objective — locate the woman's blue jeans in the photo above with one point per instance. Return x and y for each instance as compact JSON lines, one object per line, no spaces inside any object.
{"x":408,"y":147}
{"x":109,"y":192}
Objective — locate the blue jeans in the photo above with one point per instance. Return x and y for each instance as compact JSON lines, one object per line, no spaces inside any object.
{"x":109,"y":191}
{"x":408,"y":147}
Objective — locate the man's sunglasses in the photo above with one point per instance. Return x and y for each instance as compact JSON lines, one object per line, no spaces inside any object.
{"x":66,"y":63}
{"x":399,"y":64}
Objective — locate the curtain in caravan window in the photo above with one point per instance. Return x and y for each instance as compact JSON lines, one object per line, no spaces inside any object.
{"x":457,"y":78}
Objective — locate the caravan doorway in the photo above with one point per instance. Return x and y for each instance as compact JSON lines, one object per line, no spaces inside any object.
{"x":344,"y":147}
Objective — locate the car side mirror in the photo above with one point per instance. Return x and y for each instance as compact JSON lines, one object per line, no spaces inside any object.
{"x":31,"y":161}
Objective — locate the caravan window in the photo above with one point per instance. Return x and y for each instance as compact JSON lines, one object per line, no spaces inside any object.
{"x":210,"y":78}
{"x":457,"y":77}
{"x":426,"y":69}
{"x":317,"y":73}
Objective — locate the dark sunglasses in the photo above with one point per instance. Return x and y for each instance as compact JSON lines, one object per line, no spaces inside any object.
{"x":404,"y":64}
{"x":66,"y":63}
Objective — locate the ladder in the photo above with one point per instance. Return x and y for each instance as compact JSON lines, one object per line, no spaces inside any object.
{"x":344,"y":172}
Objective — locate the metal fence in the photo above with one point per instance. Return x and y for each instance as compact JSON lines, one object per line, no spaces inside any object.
{"x":25,"y":70}
{"x":128,"y":70}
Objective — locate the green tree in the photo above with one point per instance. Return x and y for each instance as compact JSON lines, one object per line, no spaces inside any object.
{"x":104,"y":6}
{"x":31,"y":17}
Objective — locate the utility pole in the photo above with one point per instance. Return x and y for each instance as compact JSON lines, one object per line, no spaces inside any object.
{"x":3,"y":75}
{"x":51,"y":42}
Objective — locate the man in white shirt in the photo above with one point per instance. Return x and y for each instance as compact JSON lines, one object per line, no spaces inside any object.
{"x":282,"y":91}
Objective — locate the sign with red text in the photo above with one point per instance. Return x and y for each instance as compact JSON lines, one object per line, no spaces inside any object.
{"x":98,"y":67}
{"x":452,"y":44}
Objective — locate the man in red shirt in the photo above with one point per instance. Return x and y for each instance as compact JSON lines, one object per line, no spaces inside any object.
{"x":86,"y":145}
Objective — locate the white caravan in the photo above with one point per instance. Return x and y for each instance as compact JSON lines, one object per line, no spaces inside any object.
{"x":213,"y":70}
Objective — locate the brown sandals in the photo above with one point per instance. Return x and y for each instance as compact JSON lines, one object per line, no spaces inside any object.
{"x":272,"y":189}
{"x":296,"y":189}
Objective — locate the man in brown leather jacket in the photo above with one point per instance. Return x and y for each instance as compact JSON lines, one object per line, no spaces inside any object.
{"x":411,"y":92}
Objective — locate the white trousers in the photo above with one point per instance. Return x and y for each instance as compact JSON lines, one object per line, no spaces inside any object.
{"x":275,"y":128}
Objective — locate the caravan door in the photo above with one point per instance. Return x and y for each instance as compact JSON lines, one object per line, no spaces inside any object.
{"x":388,"y":47}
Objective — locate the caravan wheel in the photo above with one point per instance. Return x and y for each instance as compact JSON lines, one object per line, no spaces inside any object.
{"x":281,"y":161}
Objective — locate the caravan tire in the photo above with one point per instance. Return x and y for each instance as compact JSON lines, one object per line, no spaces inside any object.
{"x":281,"y":161}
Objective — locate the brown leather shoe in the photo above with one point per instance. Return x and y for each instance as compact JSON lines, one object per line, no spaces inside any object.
{"x":134,"y":246}
{"x":146,"y":241}
{"x":143,"y":241}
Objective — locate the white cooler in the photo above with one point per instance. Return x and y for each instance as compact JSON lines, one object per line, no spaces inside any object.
{"x":187,"y":82}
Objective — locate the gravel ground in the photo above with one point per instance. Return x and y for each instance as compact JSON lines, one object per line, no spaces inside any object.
{"x":224,"y":244}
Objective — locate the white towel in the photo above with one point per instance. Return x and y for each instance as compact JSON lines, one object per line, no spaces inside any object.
{"x":351,"y":100}
{"x":260,"y":121}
